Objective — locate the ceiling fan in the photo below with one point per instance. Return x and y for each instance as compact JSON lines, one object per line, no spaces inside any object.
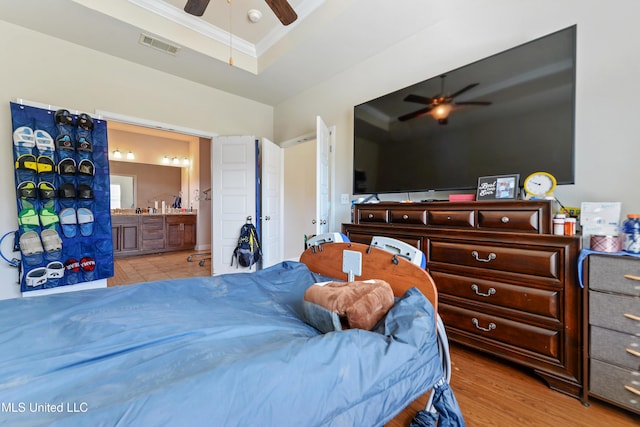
{"x":439,"y":106}
{"x":281,"y":8}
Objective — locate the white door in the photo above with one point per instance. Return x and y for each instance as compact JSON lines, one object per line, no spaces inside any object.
{"x":271,"y":220}
{"x":322,"y":176}
{"x":233,"y":193}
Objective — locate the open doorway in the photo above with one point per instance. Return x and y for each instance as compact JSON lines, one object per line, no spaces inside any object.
{"x":169,"y":214}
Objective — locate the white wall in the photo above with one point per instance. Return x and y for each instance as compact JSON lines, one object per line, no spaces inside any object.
{"x":608,"y":69}
{"x":40,"y":68}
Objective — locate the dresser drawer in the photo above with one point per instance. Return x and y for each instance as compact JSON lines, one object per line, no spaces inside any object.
{"x":153,"y":223}
{"x":607,"y":273}
{"x":609,"y":381}
{"x":616,"y":312}
{"x":615,"y":347}
{"x":373,"y":215}
{"x":521,"y":220}
{"x":540,"y":302}
{"x":539,"y":340}
{"x":536,"y":262}
{"x":464,"y":219}
{"x":406,"y":216}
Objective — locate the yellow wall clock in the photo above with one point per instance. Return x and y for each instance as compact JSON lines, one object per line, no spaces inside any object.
{"x":539,"y":185}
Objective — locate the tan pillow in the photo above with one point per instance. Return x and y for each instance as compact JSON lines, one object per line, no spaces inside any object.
{"x":359,"y":304}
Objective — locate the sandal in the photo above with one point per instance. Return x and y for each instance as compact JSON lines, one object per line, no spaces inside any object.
{"x":30,"y":243}
{"x":51,"y":240}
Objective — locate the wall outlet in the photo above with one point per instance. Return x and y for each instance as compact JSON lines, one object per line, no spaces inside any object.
{"x":344,"y":199}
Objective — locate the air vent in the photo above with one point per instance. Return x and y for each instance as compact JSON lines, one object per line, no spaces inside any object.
{"x":158,"y":44}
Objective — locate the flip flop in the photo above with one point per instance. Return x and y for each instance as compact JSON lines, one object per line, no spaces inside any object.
{"x":28,"y":217}
{"x":55,"y":270}
{"x":84,"y":144}
{"x":85,"y":192}
{"x":64,"y":142}
{"x":86,"y":167}
{"x":48,"y":217}
{"x":27,"y":190}
{"x":27,"y":162}
{"x":68,"y":222}
{"x":46,"y":190}
{"x":85,"y":220}
{"x":44,"y":142}
{"x":67,"y":166}
{"x":30,"y":243}
{"x":67,"y":191}
{"x":45,"y":164}
{"x":24,"y":140}
{"x":85,"y":121}
{"x":63,"y":117}
{"x":36,"y":277}
{"x":51,"y":240}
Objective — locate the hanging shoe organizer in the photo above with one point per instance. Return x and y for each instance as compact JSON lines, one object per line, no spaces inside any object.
{"x":61,"y":167}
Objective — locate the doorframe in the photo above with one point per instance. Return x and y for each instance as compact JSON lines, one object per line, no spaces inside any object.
{"x":153,"y":124}
{"x":332,"y":165}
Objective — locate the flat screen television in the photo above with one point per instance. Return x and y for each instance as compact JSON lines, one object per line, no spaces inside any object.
{"x":510,"y":113}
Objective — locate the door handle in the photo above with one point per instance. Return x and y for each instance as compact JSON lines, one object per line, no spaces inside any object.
{"x":313,"y":221}
{"x":267,"y":218}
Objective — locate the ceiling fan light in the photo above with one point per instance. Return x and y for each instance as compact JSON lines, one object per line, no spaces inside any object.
{"x":441,"y":112}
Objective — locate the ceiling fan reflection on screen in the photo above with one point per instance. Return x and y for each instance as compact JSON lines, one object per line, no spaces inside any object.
{"x":281,"y":8}
{"x":439,"y":106}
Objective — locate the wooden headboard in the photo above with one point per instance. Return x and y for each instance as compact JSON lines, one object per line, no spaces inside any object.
{"x":399,"y":272}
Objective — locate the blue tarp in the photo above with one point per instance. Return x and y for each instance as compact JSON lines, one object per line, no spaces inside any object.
{"x":228,"y":350}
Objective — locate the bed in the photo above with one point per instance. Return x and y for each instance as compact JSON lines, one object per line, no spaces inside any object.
{"x":229,"y":350}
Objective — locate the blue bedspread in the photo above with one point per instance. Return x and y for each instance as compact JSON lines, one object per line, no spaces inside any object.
{"x":217,"y":351}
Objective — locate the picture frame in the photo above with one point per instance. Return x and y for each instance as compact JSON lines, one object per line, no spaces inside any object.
{"x":498,"y":187}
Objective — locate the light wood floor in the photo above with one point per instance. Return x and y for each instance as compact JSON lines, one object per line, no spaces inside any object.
{"x":490,"y":392}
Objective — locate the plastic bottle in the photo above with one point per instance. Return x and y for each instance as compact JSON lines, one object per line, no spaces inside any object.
{"x":570,"y":227}
{"x":558,"y":224}
{"x":631,"y":234}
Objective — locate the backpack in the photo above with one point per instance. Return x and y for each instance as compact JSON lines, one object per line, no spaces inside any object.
{"x":248,"y":250}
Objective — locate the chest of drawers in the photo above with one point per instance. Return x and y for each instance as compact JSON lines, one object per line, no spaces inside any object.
{"x":614,"y":330}
{"x":506,"y":286}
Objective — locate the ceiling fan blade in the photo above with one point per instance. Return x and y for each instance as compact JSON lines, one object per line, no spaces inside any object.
{"x":474,"y":103}
{"x":421,"y":112}
{"x":283,"y":11}
{"x":464,"y":89}
{"x":196,"y":7}
{"x":418,"y":99}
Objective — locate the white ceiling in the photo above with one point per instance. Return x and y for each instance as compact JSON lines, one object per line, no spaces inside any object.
{"x":271,"y":62}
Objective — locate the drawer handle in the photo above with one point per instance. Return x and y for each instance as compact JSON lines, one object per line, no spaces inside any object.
{"x":477,"y":325}
{"x":504,"y":219}
{"x":631,"y":277}
{"x":405,"y":216}
{"x":477,"y":256}
{"x":632,"y":390}
{"x":370,"y":216}
{"x":633,"y":352}
{"x":632,"y":317}
{"x":490,"y":292}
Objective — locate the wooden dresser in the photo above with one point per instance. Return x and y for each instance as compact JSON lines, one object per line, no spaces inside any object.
{"x":614,"y":330}
{"x":506,"y":286}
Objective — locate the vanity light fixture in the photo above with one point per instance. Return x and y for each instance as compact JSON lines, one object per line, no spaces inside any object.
{"x":176,"y":161}
{"x":117,"y":154}
{"x":130,"y":155}
{"x":185,"y":161}
{"x":165,"y":160}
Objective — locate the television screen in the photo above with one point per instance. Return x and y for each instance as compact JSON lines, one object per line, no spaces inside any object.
{"x":511,"y":113}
